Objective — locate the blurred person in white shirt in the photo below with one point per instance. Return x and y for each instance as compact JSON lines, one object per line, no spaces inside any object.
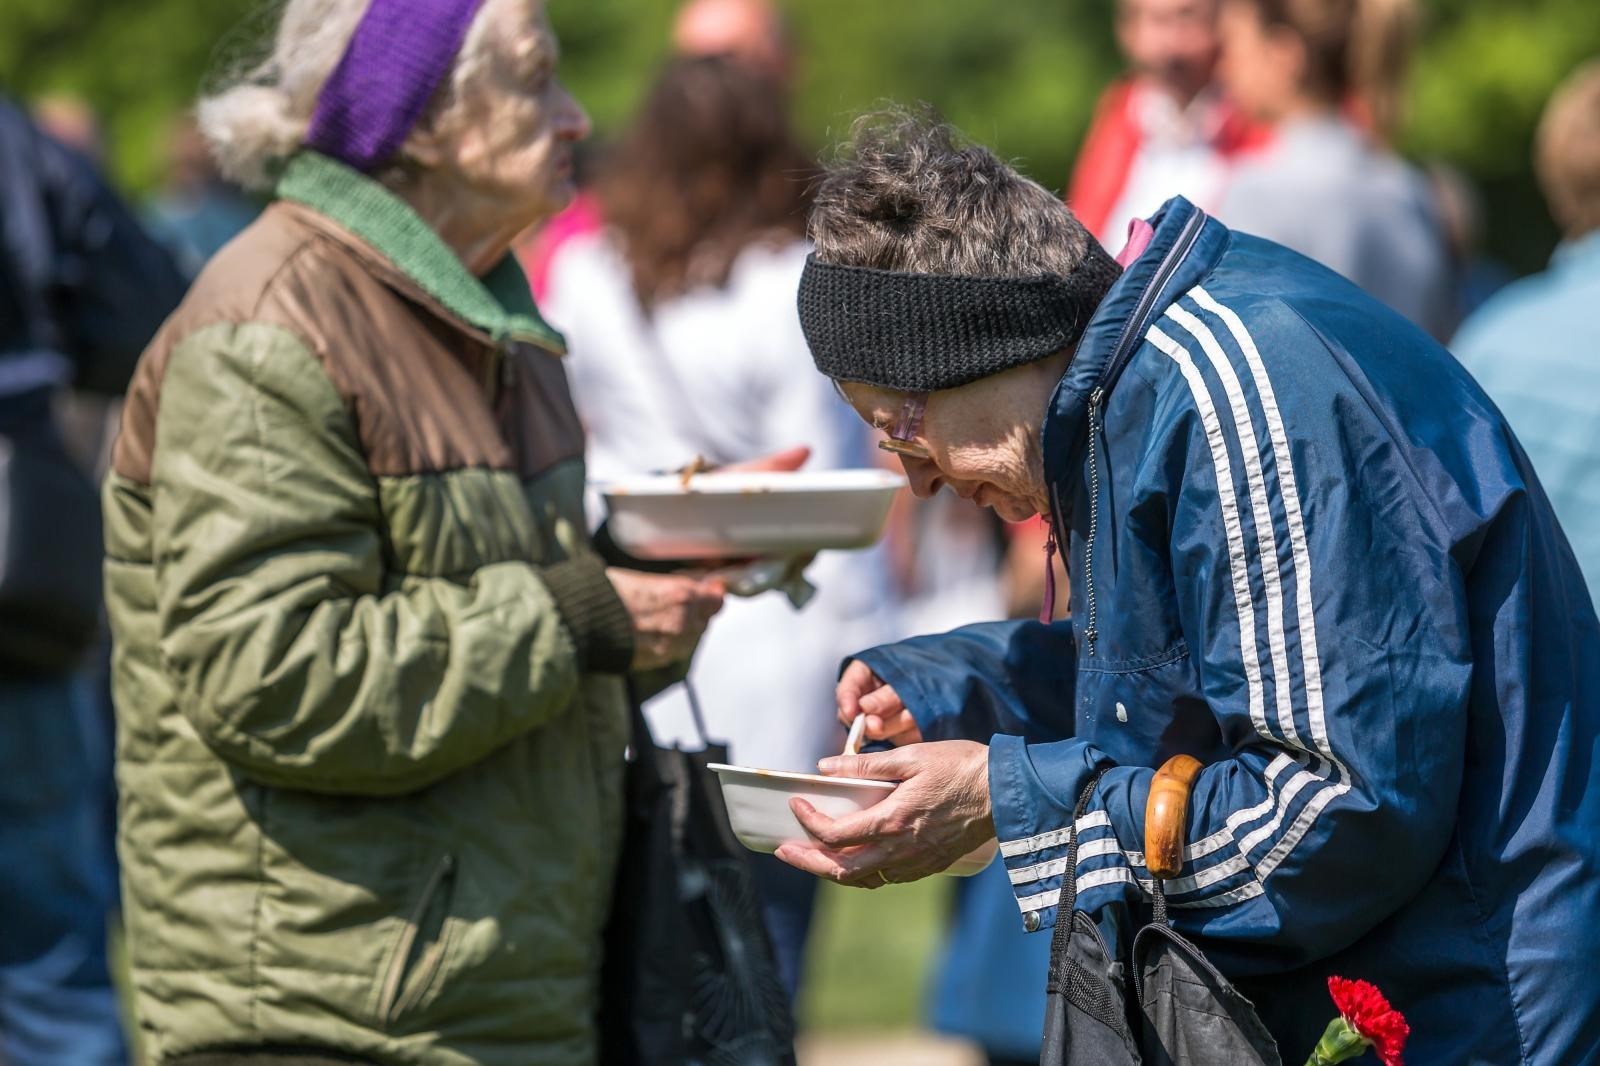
{"x":684,"y":341}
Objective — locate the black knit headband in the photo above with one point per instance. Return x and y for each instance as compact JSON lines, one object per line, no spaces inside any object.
{"x":926,"y":332}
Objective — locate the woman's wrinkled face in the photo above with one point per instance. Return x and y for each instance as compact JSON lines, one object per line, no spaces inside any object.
{"x":981,"y":439}
{"x":514,"y":140}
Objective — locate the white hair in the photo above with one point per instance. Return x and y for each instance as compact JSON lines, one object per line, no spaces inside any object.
{"x":262,"y":113}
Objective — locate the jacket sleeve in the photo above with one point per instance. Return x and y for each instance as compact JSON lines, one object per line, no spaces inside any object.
{"x":1337,"y":668}
{"x":1011,"y":677}
{"x":295,"y":653}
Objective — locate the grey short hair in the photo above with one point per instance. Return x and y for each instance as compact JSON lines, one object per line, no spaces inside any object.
{"x":910,"y":193}
{"x":260,"y":114}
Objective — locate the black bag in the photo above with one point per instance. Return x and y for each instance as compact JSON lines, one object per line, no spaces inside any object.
{"x":1085,"y":1013}
{"x":50,"y":547}
{"x":1183,"y":1013}
{"x":689,"y":976}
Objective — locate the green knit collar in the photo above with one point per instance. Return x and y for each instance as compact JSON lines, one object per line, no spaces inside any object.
{"x":499,"y":303}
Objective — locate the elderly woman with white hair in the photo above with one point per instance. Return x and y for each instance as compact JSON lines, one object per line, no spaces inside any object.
{"x":371,"y":677}
{"x":1305,"y":552}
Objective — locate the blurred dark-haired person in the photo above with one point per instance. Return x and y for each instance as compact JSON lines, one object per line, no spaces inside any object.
{"x":751,"y":32}
{"x":1535,"y":347}
{"x":1166,"y":129}
{"x":684,"y":340}
{"x":1327,"y":76}
{"x":82,"y":289}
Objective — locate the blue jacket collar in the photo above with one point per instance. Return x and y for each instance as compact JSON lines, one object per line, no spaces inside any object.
{"x":1185,"y":246}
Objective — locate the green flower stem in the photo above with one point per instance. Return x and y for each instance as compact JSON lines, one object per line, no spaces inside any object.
{"x":1339,"y":1043}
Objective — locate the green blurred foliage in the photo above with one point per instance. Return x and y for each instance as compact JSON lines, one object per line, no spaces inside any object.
{"x":871,"y":955}
{"x":1020,"y":75}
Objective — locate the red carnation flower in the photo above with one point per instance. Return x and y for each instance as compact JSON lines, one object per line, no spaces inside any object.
{"x":1369,"y":1014}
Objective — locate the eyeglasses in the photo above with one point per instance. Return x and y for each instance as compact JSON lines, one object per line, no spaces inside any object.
{"x":902,"y":439}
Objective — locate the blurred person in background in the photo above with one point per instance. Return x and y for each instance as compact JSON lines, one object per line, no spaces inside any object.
{"x":86,"y":419}
{"x":1535,"y":347}
{"x":749,"y":31}
{"x":1164,"y":130}
{"x":684,"y":340}
{"x":73,"y":121}
{"x":371,"y":675}
{"x":197,"y":211}
{"x":82,"y":289}
{"x":1328,"y":76}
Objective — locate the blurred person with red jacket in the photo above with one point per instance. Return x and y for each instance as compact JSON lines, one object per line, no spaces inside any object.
{"x":1163,"y":130}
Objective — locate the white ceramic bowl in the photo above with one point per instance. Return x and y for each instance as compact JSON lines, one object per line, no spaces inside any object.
{"x":758,"y":807}
{"x":738,"y":515}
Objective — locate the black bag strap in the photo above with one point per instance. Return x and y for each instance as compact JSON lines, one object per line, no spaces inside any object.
{"x":695,"y":712}
{"x":1067,"y":900}
{"x":1158,"y":902}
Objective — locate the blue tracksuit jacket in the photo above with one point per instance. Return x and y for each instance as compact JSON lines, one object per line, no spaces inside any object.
{"x":1305,"y":548}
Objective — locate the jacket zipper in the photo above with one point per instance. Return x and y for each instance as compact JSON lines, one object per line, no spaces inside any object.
{"x":1119,"y":357}
{"x":1092,"y":632}
{"x":388,"y":1007}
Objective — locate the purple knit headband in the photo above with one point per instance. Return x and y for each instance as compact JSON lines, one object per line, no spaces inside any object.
{"x":400,"y":52}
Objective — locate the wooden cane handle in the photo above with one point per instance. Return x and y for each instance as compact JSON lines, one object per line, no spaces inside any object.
{"x":1166,"y":816}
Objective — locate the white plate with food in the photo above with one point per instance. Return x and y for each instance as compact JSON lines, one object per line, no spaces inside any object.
{"x":758,"y":807}
{"x":749,"y":514}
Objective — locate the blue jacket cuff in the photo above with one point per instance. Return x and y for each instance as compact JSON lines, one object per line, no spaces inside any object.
{"x":1033,"y":789}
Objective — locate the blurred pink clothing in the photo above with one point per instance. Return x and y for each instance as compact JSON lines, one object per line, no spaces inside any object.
{"x":580,"y":217}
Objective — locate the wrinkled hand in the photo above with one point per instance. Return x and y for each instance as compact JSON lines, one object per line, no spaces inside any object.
{"x":860,"y":691}
{"x":669,"y":613}
{"x":939,"y":812}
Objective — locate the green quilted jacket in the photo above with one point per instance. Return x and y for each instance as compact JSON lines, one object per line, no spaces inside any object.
{"x":367,"y":666}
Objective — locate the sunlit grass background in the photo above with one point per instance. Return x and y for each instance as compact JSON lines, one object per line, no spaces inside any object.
{"x":872,"y":955}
